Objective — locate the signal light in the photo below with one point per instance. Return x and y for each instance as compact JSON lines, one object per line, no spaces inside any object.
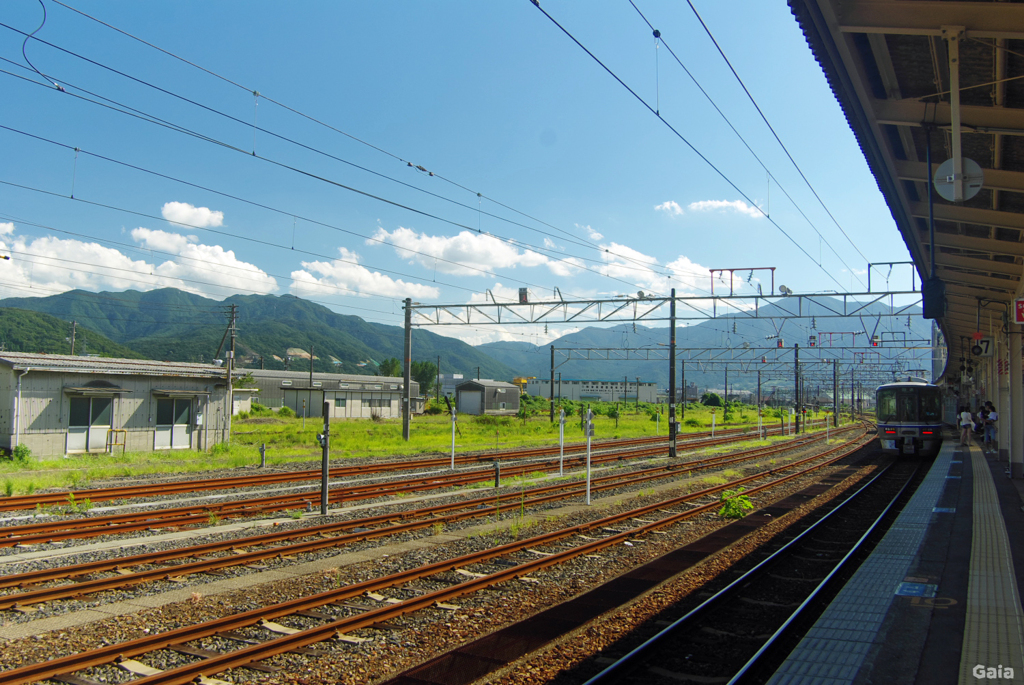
{"x":780,"y":343}
{"x":812,"y":341}
{"x":876,"y":341}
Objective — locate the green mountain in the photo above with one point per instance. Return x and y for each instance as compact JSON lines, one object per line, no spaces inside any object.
{"x":27,"y":331}
{"x":173,"y":325}
{"x":722,"y":334}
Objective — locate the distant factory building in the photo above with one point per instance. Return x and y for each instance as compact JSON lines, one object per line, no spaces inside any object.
{"x":448,"y":381}
{"x":595,"y":390}
{"x":59,"y":404}
{"x":487,"y":397}
{"x":349,"y":396}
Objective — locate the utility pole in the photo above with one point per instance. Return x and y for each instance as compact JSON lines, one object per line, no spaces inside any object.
{"x":310,"y":391}
{"x":438,"y":379}
{"x":638,"y":394}
{"x":835,"y":393}
{"x":551,"y":389}
{"x":796,"y":382}
{"x":672,"y":377}
{"x":407,"y":373}
{"x":325,"y":442}
{"x":726,"y":398}
{"x":231,"y":366}
{"x":74,"y":329}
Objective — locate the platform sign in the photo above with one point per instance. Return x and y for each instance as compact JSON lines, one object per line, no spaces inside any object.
{"x":983,"y":347}
{"x":1018,"y":311}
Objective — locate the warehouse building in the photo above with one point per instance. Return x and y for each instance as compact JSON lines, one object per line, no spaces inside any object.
{"x":57,"y":404}
{"x":350,"y":396}
{"x":487,"y":397}
{"x":594,"y":390}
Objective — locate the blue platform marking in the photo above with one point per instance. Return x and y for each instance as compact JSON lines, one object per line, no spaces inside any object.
{"x":847,"y":630}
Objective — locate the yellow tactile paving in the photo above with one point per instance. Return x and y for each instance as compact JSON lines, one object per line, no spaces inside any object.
{"x":994,"y":628}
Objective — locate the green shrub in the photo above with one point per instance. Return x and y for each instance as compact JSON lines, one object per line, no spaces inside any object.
{"x":286,"y":412}
{"x":220,"y":448}
{"x":692,"y":423}
{"x":734,"y":504}
{"x":260,"y":410}
{"x":20,"y":454}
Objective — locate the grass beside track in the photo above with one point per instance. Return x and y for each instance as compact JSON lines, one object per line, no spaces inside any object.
{"x":290,"y":440}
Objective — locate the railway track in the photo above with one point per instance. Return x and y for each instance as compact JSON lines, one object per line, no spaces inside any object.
{"x":324,"y":608}
{"x":748,"y":621}
{"x":30,"y":502}
{"x":200,"y":514}
{"x":332,"y":535}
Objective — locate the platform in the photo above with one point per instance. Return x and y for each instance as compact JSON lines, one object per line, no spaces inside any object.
{"x":937,"y":602}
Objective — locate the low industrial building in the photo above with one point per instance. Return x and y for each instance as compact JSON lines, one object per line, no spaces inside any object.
{"x":487,"y":397}
{"x":57,"y":404}
{"x":350,"y":396}
{"x":594,"y":390}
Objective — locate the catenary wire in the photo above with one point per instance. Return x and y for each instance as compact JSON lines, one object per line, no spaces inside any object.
{"x":153,"y":119}
{"x":681,"y":137}
{"x":770,"y":128}
{"x":785,"y":192}
{"x":319,"y":122}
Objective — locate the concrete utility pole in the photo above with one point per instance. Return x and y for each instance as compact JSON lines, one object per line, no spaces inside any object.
{"x":796,"y":382}
{"x":231,"y":367}
{"x":310,"y":391}
{"x":74,"y":329}
{"x":672,"y":377}
{"x":407,"y":373}
{"x":551,"y":389}
{"x":835,"y":393}
{"x":326,"y":442}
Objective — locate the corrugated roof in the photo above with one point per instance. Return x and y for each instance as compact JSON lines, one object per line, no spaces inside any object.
{"x":488,"y":383}
{"x":123,"y":367}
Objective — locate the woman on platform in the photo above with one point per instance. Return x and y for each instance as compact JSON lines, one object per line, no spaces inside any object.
{"x":966,"y":426}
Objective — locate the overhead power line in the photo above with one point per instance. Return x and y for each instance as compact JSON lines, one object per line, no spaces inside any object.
{"x":181,"y":129}
{"x":772,"y":129}
{"x":772,"y":176}
{"x":683,"y":138}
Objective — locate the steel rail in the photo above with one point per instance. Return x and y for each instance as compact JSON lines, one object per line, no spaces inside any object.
{"x":26,"y":502}
{"x":447,"y":513}
{"x":199,"y":514}
{"x":634,"y":658}
{"x":103,"y":655}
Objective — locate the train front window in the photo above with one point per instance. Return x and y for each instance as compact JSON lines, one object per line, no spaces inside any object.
{"x":906,"y":405}
{"x":886,"y":409}
{"x":931,"y":405}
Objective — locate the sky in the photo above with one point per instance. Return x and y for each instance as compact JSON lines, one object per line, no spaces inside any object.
{"x":357,"y":154}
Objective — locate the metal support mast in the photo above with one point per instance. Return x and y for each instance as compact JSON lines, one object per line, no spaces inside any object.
{"x":796,"y":382}
{"x":407,"y":373}
{"x":551,"y":388}
{"x":671,"y":377}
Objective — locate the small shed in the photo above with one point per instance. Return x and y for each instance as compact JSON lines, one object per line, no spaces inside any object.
{"x":495,"y":398}
{"x":58,"y":404}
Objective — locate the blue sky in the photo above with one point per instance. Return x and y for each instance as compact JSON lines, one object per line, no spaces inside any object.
{"x":580,"y":186}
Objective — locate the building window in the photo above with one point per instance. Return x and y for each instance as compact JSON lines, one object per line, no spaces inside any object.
{"x":502,"y":405}
{"x":379,"y":404}
{"x":286,"y":382}
{"x":317,"y":384}
{"x":339,"y":402}
{"x":88,"y":422}
{"x":173,"y":424}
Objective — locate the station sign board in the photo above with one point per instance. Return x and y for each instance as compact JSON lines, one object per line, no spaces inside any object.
{"x":1018,"y":311}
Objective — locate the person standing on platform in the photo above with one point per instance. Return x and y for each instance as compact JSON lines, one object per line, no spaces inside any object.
{"x":990,"y":427}
{"x":966,"y":426}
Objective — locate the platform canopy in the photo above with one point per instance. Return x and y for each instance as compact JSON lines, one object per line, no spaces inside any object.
{"x":894,"y":66}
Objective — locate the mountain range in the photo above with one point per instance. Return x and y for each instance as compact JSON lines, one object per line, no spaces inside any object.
{"x":279,"y":332}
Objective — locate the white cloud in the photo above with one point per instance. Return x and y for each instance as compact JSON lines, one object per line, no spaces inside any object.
{"x":56,"y":265}
{"x":468,"y":253}
{"x":6,"y":228}
{"x":726,"y":205}
{"x":591,"y":233}
{"x":670,"y":207}
{"x":184,"y":214}
{"x":161,"y":240}
{"x":339,"y":276}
